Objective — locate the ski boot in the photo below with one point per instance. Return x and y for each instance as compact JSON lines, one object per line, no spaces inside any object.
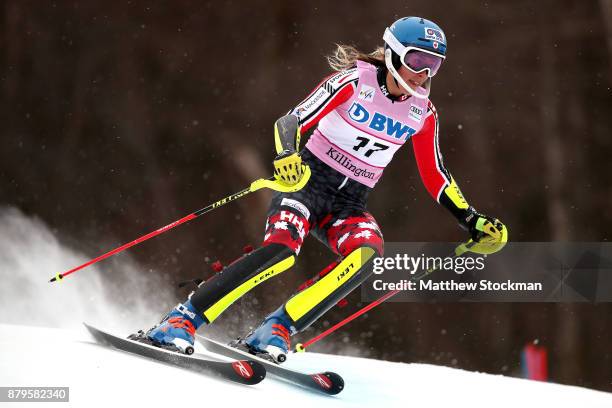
{"x":176,"y":331}
{"x":271,"y":340}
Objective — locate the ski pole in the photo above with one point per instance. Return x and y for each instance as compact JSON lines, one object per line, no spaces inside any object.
{"x":300,"y":347}
{"x":270,"y":183}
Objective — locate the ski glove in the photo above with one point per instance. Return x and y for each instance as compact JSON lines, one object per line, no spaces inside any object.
{"x":288,"y":167}
{"x":488,"y":234}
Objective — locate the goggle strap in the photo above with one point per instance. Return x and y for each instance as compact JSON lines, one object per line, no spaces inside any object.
{"x":395,"y":45}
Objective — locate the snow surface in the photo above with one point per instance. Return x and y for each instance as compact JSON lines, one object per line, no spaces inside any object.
{"x":43,"y":343}
{"x":100,"y":376}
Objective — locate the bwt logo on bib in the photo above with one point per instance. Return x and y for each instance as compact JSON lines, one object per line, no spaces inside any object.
{"x":380,"y":122}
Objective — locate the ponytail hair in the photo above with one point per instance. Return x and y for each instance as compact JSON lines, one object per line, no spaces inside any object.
{"x":346,"y":56}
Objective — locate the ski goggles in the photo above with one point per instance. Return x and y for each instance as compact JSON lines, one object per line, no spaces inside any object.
{"x":415,"y":59}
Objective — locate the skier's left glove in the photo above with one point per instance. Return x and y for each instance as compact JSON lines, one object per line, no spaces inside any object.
{"x":488,"y":234}
{"x":288,"y":167}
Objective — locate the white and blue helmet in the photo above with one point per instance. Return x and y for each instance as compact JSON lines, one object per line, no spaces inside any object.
{"x":419,"y":45}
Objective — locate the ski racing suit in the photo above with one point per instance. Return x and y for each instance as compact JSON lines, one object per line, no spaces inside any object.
{"x":357,"y":127}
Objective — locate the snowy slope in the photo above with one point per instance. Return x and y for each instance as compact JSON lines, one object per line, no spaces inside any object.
{"x":99,"y":376}
{"x":120,"y":295}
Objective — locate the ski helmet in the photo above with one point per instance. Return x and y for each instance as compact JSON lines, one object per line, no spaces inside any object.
{"x":419,"y":45}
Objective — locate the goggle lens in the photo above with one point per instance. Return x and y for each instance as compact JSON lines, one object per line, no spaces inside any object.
{"x":419,"y":61}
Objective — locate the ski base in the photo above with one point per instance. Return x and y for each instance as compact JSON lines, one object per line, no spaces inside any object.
{"x":328,"y":382}
{"x":243,"y":371}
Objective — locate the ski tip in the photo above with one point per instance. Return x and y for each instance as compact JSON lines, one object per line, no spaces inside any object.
{"x":251,"y":372}
{"x":95,"y":332}
{"x":328,"y":382}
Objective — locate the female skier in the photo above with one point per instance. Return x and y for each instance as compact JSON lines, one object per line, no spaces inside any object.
{"x":363,"y":114}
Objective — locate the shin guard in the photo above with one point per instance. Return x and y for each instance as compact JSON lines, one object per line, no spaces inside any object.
{"x":311,"y":303}
{"x":219,"y":292}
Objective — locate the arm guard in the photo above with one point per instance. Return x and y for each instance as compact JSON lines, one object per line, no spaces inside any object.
{"x":287,"y":134}
{"x":452,"y":199}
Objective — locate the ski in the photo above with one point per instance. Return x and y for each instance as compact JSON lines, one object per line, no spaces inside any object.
{"x":328,"y":382}
{"x":244,"y":371}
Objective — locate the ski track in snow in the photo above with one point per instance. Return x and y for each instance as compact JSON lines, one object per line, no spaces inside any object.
{"x":99,"y":376}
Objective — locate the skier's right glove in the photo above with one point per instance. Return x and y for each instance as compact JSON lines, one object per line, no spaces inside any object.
{"x":288,"y":167}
